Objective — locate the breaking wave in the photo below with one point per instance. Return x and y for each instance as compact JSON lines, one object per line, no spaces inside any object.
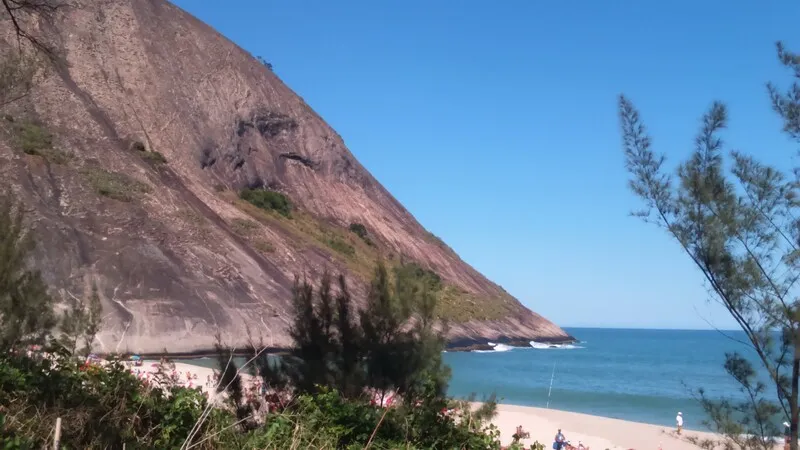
{"x":495,"y":348}
{"x":545,"y":346}
{"x":533,"y":345}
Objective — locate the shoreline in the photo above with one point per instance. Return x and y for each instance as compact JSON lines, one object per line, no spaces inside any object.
{"x":595,"y":432}
{"x":630,"y":421}
{"x":459,"y":345}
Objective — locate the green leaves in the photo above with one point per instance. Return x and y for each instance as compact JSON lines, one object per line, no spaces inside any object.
{"x":390,"y":345}
{"x":81,"y":323}
{"x":268,"y":200}
{"x":100,"y":408}
{"x":739,"y":223}
{"x":26,"y":314}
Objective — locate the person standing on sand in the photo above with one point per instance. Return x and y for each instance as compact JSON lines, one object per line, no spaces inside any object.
{"x":679,"y":421}
{"x":787,"y":435}
{"x":560,"y":439}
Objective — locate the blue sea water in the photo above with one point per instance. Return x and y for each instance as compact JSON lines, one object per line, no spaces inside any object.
{"x":638,"y":375}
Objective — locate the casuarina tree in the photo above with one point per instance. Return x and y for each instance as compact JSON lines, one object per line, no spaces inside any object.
{"x":389,"y":345}
{"x":738,"y":221}
{"x":26,"y":308}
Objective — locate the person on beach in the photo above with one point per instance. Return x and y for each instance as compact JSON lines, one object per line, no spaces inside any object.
{"x":519,"y":434}
{"x":787,"y":435}
{"x":560,"y":440}
{"x":679,"y":421}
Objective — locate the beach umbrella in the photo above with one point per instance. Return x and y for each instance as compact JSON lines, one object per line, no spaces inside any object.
{"x":135,"y":358}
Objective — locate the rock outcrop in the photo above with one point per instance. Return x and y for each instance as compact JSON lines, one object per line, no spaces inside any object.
{"x":150,"y":126}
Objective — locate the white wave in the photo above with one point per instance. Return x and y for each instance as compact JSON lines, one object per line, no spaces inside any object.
{"x":545,"y":346}
{"x":495,"y":348}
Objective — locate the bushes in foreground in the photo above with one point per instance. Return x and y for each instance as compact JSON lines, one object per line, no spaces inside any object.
{"x":99,"y":407}
{"x":108,"y":407}
{"x":358,"y":377}
{"x":328,"y":420}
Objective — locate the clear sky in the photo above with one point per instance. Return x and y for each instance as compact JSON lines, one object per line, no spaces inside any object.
{"x":495,"y":124}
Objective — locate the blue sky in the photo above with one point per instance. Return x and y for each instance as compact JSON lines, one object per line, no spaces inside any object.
{"x":495,"y":124}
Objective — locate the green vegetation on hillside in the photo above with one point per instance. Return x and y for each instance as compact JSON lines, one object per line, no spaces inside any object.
{"x":155,"y":158}
{"x":34,"y":139}
{"x":138,"y":146}
{"x":413,"y":271}
{"x":115,"y":185}
{"x":263,"y":246}
{"x":438,"y":242}
{"x":340,"y":245}
{"x":361,"y":257}
{"x":361,"y":231}
{"x":454,"y":304}
{"x":268,"y":200}
{"x":244,"y":227}
{"x":305,"y":230}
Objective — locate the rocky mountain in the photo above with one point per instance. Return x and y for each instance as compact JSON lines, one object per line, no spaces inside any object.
{"x":177,"y":173}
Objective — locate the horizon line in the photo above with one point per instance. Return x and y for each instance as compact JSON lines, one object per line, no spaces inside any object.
{"x":602,"y":327}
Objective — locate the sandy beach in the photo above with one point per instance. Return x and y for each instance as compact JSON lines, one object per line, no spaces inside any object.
{"x":186,"y":374}
{"x":595,"y":432}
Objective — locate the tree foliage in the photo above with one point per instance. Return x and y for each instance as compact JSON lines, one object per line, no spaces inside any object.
{"x":389,"y":345}
{"x":739,"y":223}
{"x":26,"y":308}
{"x":20,"y":12}
{"x":264,"y":62}
{"x":17,"y":71}
{"x":20,"y":64}
{"x":268,"y":200}
{"x":341,"y":353}
{"x":81,"y":323}
{"x":100,"y":408}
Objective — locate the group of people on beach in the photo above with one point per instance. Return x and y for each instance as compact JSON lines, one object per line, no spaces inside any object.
{"x":559,"y":443}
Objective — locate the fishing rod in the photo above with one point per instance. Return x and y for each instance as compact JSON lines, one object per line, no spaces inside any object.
{"x":551,"y":385}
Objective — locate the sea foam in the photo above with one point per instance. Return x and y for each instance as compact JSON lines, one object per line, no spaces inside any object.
{"x":545,"y":346}
{"x":495,"y":348}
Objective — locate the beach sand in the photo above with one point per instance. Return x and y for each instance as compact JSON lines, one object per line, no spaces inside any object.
{"x":597,"y":433}
{"x":150,"y":367}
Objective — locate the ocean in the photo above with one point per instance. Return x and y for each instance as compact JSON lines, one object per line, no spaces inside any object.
{"x":637,"y":375}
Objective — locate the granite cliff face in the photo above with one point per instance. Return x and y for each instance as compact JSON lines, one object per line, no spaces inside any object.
{"x":174,"y":251}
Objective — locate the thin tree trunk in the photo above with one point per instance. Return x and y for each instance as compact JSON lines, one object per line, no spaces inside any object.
{"x":57,"y":437}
